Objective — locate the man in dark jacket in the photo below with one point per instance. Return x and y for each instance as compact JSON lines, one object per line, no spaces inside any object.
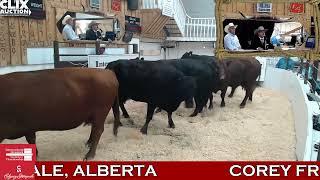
{"x":260,"y":41}
{"x":93,"y":33}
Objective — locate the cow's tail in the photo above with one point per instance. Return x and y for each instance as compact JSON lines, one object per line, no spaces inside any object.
{"x":116,"y":114}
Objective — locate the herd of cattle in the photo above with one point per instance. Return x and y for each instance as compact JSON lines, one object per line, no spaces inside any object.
{"x":63,"y":99}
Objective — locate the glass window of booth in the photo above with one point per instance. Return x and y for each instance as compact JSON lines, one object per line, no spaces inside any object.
{"x":267,"y":33}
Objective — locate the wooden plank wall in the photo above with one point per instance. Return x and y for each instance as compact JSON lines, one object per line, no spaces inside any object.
{"x":280,"y":9}
{"x":18,"y":33}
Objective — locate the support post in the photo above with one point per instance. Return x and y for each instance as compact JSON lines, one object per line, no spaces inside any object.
{"x":56,"y":56}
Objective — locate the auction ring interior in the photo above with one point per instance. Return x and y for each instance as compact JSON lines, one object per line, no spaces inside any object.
{"x":311,"y":9}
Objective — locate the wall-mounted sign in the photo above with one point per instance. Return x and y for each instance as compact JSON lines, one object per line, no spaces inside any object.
{"x":27,"y":8}
{"x":36,"y":7}
{"x":296,"y":7}
{"x":116,"y":5}
{"x":94,"y":3}
{"x":132,"y":24}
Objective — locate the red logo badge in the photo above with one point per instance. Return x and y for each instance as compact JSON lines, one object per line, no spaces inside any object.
{"x":116,"y":5}
{"x":17,"y":161}
{"x":297,"y":8}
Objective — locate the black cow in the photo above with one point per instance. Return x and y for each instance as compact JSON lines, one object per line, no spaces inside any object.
{"x":221,"y":85}
{"x":239,"y":72}
{"x":208,"y":75}
{"x":153,"y":82}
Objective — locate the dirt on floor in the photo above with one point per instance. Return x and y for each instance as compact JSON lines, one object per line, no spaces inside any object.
{"x":263,"y":130}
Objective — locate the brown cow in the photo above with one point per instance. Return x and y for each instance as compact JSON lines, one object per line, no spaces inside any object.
{"x":57,"y":99}
{"x":239,"y":72}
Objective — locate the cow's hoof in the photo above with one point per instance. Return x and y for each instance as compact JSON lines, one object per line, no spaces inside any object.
{"x":172,"y":126}
{"x":242,"y":106}
{"x":230,"y":96}
{"x":211,"y":107}
{"x":222,"y":105}
{"x":193,"y":114}
{"x":89,"y":156}
{"x":126,"y":116}
{"x":143,"y":131}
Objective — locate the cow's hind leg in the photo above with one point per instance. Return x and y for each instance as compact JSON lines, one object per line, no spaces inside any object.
{"x":31,"y":139}
{"x":250,"y":97}
{"x":89,"y":142}
{"x":96,"y":131}
{"x":170,"y":121}
{"x":200,"y":103}
{"x":124,"y":111}
{"x":222,"y":95}
{"x":150,"y":112}
{"x":232,"y":92}
{"x":248,"y":92}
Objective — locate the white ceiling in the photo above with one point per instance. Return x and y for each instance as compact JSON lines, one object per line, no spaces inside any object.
{"x":199,"y":8}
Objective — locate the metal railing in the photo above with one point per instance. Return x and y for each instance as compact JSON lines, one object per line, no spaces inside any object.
{"x":152,"y":4}
{"x":99,"y":50}
{"x":200,"y":29}
{"x":192,"y":29}
{"x":180,"y":15}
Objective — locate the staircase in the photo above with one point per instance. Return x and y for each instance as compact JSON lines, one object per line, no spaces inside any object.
{"x":175,"y":24}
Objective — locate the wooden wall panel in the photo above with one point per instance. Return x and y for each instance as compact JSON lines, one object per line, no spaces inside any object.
{"x":71,"y":4}
{"x":234,"y":7}
{"x":241,"y":7}
{"x":33,"y":31}
{"x":18,"y":33}
{"x":14,"y":41}
{"x":4,"y":42}
{"x":249,"y":7}
{"x":24,"y":35}
{"x":42,"y":30}
{"x":51,"y":24}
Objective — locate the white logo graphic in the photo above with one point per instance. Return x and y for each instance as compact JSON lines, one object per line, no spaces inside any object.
{"x":14,"y":8}
{"x":24,"y":154}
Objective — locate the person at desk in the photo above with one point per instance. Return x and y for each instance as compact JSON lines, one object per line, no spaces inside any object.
{"x":259,"y":41}
{"x":231,"y":41}
{"x":93,"y":33}
{"x":68,"y":32}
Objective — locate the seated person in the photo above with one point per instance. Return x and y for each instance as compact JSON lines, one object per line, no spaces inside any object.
{"x":93,"y":33}
{"x":259,"y":41}
{"x":231,"y":41}
{"x":68,"y":32}
{"x":276,"y":38}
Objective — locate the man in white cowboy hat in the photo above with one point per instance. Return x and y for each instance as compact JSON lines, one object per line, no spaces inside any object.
{"x":231,"y":41}
{"x":92,"y":33}
{"x":68,"y":32}
{"x":259,"y":41}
